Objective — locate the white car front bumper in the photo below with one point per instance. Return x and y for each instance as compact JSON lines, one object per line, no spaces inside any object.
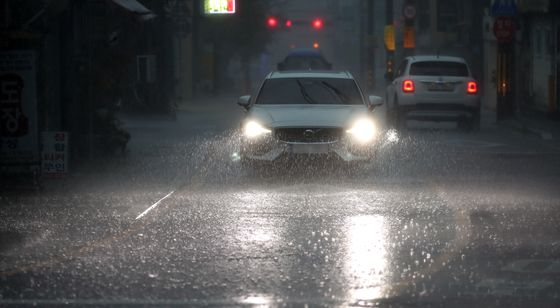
{"x":272,"y":150}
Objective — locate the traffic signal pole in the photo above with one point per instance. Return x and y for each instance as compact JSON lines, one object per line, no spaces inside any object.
{"x":390,"y":55}
{"x":370,"y":46}
{"x":505,"y":60}
{"x":505,"y":14}
{"x":409,"y":14}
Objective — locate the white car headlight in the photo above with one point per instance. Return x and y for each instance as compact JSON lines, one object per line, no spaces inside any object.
{"x":253,"y":129}
{"x":363,"y":130}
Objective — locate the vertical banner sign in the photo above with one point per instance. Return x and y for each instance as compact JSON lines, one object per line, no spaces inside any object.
{"x":504,"y":29}
{"x":54,"y":154}
{"x":389,"y":36}
{"x":18,"y":108}
{"x":219,"y":7}
{"x":409,"y":40}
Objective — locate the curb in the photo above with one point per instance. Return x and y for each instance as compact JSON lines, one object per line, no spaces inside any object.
{"x":541,"y":133}
{"x":207,"y":108}
{"x":528,"y":130}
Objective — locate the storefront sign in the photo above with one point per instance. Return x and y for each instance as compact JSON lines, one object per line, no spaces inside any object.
{"x":409,"y":12}
{"x":504,"y":8}
{"x":18,"y":108}
{"x":389,"y":37}
{"x":409,"y":38}
{"x":219,"y":7}
{"x":504,"y":29}
{"x":54,"y":154}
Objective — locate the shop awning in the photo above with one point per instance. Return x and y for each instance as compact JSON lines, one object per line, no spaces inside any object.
{"x":136,"y":8}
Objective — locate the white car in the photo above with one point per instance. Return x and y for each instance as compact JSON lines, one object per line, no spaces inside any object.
{"x":305,"y":113}
{"x":434,"y":88}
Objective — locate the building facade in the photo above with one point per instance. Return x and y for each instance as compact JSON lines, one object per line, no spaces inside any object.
{"x":538,"y":51}
{"x":95,"y":56}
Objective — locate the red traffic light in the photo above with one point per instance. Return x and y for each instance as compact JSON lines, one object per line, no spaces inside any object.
{"x":288,"y":23}
{"x":272,"y":22}
{"x":317,"y":24}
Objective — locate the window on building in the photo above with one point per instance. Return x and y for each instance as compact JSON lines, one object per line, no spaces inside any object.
{"x":447,"y":15}
{"x":557,"y":43}
{"x":423,"y":9}
{"x":547,"y":43}
{"x":538,"y":41}
{"x":146,"y":68}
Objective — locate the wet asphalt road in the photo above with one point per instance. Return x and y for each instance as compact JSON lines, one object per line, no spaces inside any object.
{"x":441,"y":218}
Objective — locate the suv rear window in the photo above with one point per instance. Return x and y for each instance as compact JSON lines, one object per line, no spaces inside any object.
{"x":324,"y":91}
{"x":439,"y":68}
{"x":305,"y":63}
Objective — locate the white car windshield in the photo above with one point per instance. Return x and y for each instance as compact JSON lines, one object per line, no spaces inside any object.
{"x":323,"y":91}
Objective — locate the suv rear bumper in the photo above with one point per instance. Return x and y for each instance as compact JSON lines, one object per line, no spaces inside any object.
{"x":427,"y":111}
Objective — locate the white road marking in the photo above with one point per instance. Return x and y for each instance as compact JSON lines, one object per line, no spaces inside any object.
{"x":154,"y":205}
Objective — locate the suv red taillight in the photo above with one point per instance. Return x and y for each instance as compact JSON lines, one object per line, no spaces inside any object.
{"x":472,"y":87}
{"x":408,"y":86}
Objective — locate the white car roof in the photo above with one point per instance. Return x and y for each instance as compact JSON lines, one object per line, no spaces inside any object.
{"x":310,"y":74}
{"x":436,"y":58}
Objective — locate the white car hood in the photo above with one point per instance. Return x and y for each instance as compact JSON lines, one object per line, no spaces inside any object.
{"x":307,"y":115}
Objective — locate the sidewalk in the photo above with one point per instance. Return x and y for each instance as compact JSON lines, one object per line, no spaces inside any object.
{"x":210,"y":104}
{"x":533,"y":123}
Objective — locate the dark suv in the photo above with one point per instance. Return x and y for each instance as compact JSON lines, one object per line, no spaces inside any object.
{"x":304,"y":59}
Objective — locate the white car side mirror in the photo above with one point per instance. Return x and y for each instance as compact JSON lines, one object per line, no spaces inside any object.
{"x":374,"y":101}
{"x":244,"y":101}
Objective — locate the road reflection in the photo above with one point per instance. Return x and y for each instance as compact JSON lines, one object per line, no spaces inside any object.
{"x":346,"y":245}
{"x":255,"y":231}
{"x":257,"y":301}
{"x":366,"y":256}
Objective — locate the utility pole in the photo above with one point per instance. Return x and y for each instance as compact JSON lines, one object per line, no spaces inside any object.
{"x":505,"y":13}
{"x":390,"y":54}
{"x":370,"y":55}
{"x":505,"y":108}
{"x":409,"y":14}
{"x":195,"y":38}
{"x":89,"y":26}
